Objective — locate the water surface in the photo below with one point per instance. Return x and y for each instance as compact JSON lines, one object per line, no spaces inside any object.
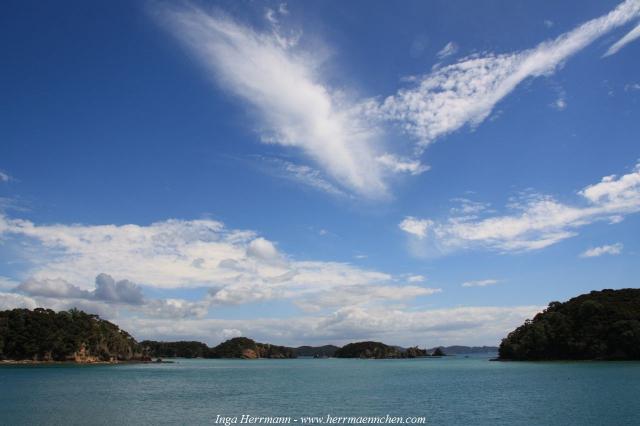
{"x":448,"y":391}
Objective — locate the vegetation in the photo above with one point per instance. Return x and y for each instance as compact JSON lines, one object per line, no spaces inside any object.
{"x":317,"y":352}
{"x":465,"y":350}
{"x":242,"y":347}
{"x":368,"y":350}
{"x":176,"y":349}
{"x":438,"y":352}
{"x":599,"y":325}
{"x":44,"y":335}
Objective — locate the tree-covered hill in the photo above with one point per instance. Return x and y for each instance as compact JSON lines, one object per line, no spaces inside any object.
{"x":182,"y":349}
{"x":316,"y":351}
{"x":242,"y":347}
{"x":45,"y":335}
{"x":367,"y":350}
{"x":599,"y":325}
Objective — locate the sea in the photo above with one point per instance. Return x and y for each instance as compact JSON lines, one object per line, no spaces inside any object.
{"x":454,"y":390}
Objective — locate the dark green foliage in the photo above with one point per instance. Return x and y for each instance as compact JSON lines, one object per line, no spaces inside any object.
{"x":43,"y":334}
{"x":316,"y":351}
{"x":414,"y":352}
{"x":599,"y":325}
{"x":368,"y":350}
{"x":175,"y":349}
{"x":438,"y":352}
{"x":465,"y":350}
{"x":242,"y":347}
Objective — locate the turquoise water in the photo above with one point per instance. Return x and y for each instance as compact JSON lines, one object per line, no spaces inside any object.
{"x":447,"y":391}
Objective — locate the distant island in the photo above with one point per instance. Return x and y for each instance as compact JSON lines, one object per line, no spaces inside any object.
{"x":601,"y":325}
{"x":43,"y":335}
{"x":377,"y":350}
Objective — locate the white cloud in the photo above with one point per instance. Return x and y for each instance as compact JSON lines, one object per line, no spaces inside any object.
{"x":4,"y":177}
{"x":612,"y":249}
{"x":560,"y":104}
{"x":415,"y":226}
{"x":54,"y":288}
{"x":305,"y":175}
{"x":416,"y":278}
{"x":548,"y":23}
{"x":631,"y":86}
{"x":263,"y":249}
{"x":479,"y":283}
{"x":628,"y":38}
{"x":117,"y":295}
{"x":295,"y":107}
{"x":402,"y":165}
{"x":539,"y":221}
{"x":466,"y":92}
{"x":236,"y":266}
{"x":15,"y":301}
{"x":449,"y":49}
{"x":460,"y":325}
{"x":7,"y":283}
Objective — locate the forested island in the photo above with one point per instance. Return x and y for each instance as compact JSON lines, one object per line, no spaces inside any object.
{"x":44,"y":335}
{"x":377,"y":350}
{"x":601,"y":325}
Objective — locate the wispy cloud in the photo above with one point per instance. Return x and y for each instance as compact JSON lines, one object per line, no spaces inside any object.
{"x":296,"y":109}
{"x":538,"y":222}
{"x":466,"y":92}
{"x":612,"y":249}
{"x":479,"y":283}
{"x":628,"y":38}
{"x":4,"y":177}
{"x":305,"y":175}
{"x":449,"y":49}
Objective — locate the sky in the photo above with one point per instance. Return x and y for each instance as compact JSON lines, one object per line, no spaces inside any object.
{"x":418,"y":173}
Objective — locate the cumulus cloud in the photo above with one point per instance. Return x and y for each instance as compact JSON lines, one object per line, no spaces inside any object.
{"x":15,"y":301}
{"x":612,"y":249}
{"x":284,"y":88}
{"x":123,"y":291}
{"x":59,"y":294}
{"x":538,"y":221}
{"x":339,"y":302}
{"x":235,"y":267}
{"x":415,"y":226}
{"x":628,"y":38}
{"x":466,"y":92}
{"x":479,"y":283}
{"x":54,"y":288}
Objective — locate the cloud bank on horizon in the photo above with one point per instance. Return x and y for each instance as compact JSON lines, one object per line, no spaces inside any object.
{"x":283,"y":85}
{"x":335,"y":301}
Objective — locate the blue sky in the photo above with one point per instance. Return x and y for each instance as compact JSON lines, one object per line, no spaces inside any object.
{"x":319,"y":172}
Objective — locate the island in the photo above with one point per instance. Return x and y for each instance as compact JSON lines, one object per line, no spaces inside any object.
{"x":43,"y":335}
{"x":600,"y":325}
{"x":377,"y":350}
